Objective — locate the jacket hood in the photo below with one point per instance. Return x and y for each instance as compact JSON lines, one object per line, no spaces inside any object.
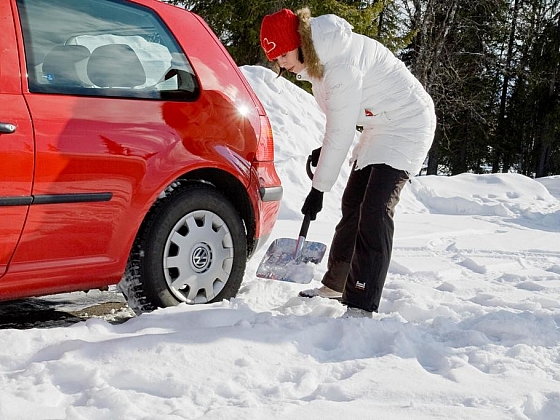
{"x":322,"y":39}
{"x":312,"y":62}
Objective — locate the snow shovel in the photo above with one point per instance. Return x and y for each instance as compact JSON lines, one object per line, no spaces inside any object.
{"x":289,"y":259}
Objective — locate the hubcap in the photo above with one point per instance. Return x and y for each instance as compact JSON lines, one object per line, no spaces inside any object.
{"x":198,"y":257}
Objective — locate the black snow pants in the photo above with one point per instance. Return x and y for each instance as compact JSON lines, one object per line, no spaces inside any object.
{"x":363,"y":241}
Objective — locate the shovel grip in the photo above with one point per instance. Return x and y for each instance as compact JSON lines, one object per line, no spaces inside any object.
{"x":308,"y":168}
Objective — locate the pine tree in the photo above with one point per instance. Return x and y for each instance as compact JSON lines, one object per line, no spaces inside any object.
{"x":527,"y":139}
{"x":450,"y":56}
{"x":237,"y":22}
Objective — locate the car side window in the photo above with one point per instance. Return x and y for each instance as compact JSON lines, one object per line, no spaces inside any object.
{"x":109,"y":48}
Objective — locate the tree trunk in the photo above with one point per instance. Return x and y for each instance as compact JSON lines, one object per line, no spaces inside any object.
{"x":501,"y":131}
{"x":433,"y":155}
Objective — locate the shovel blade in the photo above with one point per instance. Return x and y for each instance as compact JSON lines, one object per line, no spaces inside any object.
{"x":281,"y":263}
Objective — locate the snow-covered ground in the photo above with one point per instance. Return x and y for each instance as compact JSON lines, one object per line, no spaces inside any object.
{"x":468,"y":328}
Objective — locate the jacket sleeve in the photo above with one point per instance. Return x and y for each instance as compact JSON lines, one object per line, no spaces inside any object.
{"x":342,"y":93}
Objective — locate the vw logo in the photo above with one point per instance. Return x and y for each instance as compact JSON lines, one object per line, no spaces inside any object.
{"x":201,"y":258}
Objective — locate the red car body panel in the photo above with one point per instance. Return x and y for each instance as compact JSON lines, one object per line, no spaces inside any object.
{"x":120,"y":154}
{"x":16,"y":149}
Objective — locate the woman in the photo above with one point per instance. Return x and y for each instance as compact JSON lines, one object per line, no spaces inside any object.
{"x":356,"y":82}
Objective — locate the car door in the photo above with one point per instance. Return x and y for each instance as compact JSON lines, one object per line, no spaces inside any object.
{"x":16,"y":143}
{"x":97,"y":72}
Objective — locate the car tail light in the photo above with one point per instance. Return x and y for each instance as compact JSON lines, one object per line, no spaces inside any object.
{"x":265,"y":147}
{"x":270,"y":186}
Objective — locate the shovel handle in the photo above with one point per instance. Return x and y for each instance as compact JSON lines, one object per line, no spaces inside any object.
{"x":305,"y":226}
{"x":301,"y":240}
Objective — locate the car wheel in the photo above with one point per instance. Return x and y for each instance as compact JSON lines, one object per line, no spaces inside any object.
{"x":192,"y":249}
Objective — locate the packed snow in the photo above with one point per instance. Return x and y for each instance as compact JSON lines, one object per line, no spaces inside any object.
{"x":468,"y":327}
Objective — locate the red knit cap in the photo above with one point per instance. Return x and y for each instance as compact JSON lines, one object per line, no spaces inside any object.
{"x":279,"y":33}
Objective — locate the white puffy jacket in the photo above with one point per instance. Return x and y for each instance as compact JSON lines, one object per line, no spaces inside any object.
{"x":361,"y":83}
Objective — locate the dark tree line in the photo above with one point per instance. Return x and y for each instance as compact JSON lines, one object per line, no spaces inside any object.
{"x":491,"y":66}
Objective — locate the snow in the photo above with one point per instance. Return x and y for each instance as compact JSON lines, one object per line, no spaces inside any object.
{"x":468,"y":328}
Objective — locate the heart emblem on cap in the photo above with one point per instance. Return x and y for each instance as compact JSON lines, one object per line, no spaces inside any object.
{"x":268,"y":45}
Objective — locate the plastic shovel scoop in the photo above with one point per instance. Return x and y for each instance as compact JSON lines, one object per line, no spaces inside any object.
{"x":290,"y":260}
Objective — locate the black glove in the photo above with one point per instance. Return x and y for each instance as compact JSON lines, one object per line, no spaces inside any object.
{"x":313,"y":203}
{"x":315,"y":156}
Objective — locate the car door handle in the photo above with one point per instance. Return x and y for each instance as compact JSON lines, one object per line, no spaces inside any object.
{"x":7,"y":128}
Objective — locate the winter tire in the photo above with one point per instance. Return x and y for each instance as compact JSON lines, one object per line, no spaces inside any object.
{"x":192,"y":250}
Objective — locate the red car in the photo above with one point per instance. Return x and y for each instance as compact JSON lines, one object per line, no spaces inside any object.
{"x":132,"y":151}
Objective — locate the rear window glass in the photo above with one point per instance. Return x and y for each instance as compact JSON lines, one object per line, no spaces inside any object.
{"x":103,"y":48}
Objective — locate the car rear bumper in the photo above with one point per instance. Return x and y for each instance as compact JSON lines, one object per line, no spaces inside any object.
{"x":271,"y":193}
